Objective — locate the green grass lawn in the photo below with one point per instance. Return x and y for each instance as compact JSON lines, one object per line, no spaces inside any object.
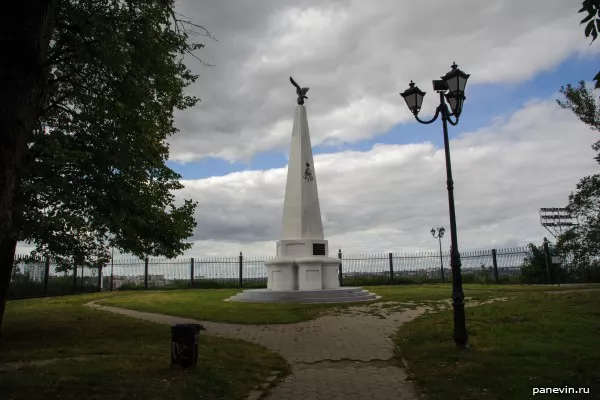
{"x":120,"y":357}
{"x":534,"y":341}
{"x":425,"y":292}
{"x":209,"y":304}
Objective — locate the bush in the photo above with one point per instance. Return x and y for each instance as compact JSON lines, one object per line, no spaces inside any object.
{"x":535,"y":270}
{"x":581,"y":273}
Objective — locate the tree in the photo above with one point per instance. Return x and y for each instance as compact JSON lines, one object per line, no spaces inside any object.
{"x":25,"y":32}
{"x":582,"y":242}
{"x":93,"y":173}
{"x":535,"y":270}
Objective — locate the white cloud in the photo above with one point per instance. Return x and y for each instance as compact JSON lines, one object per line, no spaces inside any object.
{"x":388,"y":198}
{"x":355,"y":56}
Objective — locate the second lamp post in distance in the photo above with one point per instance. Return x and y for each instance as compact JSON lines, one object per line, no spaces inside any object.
{"x":451,"y":88}
{"x":440,"y":235}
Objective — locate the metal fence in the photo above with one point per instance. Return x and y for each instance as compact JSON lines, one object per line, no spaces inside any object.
{"x":37,"y":277}
{"x":41,"y":277}
{"x":483,"y":266}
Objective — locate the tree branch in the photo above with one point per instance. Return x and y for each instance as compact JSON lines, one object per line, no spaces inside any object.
{"x":194,"y":46}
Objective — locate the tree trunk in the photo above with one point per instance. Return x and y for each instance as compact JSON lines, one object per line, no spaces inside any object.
{"x":25,"y":32}
{"x":7,"y":256}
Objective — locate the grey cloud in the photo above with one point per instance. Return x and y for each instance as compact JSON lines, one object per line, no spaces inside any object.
{"x":355,"y":58}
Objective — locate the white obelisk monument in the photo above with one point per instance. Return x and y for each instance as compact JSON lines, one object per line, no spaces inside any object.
{"x":302,"y":271}
{"x":302,"y":262}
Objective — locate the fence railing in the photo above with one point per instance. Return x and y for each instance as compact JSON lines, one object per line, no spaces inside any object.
{"x":485,"y":266}
{"x":41,"y":277}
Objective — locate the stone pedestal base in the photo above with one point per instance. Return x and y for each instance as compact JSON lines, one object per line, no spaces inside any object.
{"x":282,"y":274}
{"x":330,"y":274}
{"x":309,"y":274}
{"x":305,"y":273}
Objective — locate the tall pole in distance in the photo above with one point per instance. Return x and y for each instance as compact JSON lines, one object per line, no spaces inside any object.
{"x":441,"y":261}
{"x":440,"y":235}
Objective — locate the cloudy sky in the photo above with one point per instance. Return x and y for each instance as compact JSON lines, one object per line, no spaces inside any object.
{"x":381,"y":174}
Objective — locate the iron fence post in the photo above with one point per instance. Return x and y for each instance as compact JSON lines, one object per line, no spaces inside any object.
{"x":495,"y":266}
{"x":241,"y":268}
{"x":146,"y":273}
{"x":112,"y":275}
{"x":441,"y":259}
{"x":99,"y":277}
{"x":391,"y":268}
{"x":340,"y":267}
{"x":74,"y":278}
{"x":112,"y":269}
{"x":547,"y":258}
{"x":192,"y":272}
{"x":46,"y":273}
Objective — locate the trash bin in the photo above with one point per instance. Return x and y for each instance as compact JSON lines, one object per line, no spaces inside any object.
{"x":184,"y":344}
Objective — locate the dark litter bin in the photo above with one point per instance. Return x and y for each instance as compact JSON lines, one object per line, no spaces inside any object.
{"x":184,"y":344}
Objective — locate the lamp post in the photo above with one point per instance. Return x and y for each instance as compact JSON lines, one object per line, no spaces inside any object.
{"x":451,"y":88}
{"x":440,"y":235}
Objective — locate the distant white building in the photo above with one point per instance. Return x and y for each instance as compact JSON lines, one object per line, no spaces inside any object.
{"x":34,"y":271}
{"x":138,"y":280}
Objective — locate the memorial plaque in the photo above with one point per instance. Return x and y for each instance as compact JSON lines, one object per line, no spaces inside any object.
{"x":318,"y":249}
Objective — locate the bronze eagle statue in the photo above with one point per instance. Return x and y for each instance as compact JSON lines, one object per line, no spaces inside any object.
{"x":301,"y":92}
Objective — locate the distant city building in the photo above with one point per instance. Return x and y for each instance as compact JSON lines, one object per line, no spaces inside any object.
{"x":138,"y":280}
{"x":34,"y":271}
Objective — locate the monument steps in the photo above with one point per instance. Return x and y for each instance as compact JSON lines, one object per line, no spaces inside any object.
{"x":353,"y":291}
{"x":339,"y":295}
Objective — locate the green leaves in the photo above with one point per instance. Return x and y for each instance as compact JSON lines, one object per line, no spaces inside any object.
{"x":584,"y":103}
{"x":592,"y":21}
{"x":582,"y":242}
{"x":95,"y":173}
{"x":534,"y":269}
{"x":592,"y":8}
{"x":597,"y":80}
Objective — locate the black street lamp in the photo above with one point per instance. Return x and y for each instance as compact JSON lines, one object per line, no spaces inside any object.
{"x":452,"y":89}
{"x":440,"y":235}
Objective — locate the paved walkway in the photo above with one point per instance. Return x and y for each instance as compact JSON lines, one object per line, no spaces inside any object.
{"x":344,"y":356}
